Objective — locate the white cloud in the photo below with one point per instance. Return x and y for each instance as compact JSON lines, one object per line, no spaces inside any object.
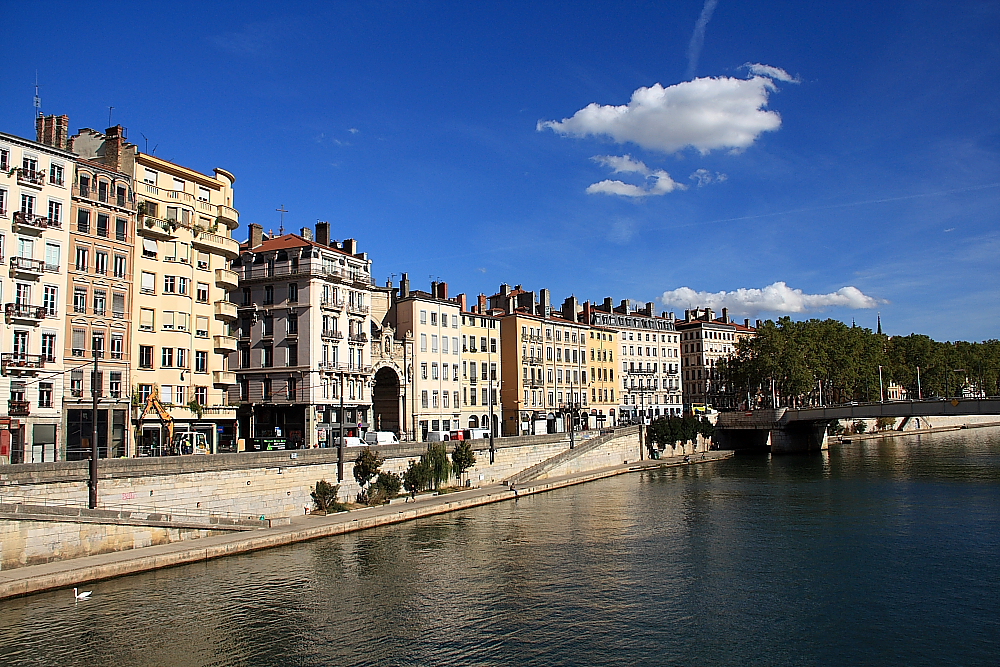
{"x":706,"y":114}
{"x":698,"y":36}
{"x":704,"y":177}
{"x":353,"y":130}
{"x":771,"y":72}
{"x":658,"y":182}
{"x":777,"y":298}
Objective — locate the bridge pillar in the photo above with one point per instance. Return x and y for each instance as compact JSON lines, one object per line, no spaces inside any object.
{"x":799,"y":437}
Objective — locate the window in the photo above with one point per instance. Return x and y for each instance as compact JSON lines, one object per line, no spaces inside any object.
{"x":434,"y":343}
{"x":168,"y":320}
{"x":50,"y":300}
{"x":181,"y":321}
{"x":80,"y":300}
{"x":423,"y":371}
{"x":149,"y":248}
{"x":101,"y":263}
{"x":423,"y":399}
{"x":118,"y":305}
{"x":444,"y":344}
{"x":293,"y":355}
{"x":200,"y":361}
{"x":102,"y":224}
{"x":27,"y":204}
{"x":169,"y":284}
{"x":49,"y":346}
{"x":55,"y":212}
{"x":145,"y":356}
{"x":434,"y":316}
{"x":182,"y":358}
{"x":167,"y":394}
{"x":117,"y":346}
{"x":100,"y":302}
{"x":115,"y":384}
{"x":76,"y":383}
{"x":292,"y":324}
{"x":423,"y":342}
{"x":267,"y":356}
{"x":203,"y":193}
{"x":121,"y":196}
{"x":102,"y":191}
{"x":82,"y":258}
{"x":434,"y":371}
{"x":265,"y":388}
{"x":3,"y":202}
{"x":201,"y":395}
{"x":293,"y":292}
{"x":167,"y":357}
{"x":244,"y":351}
{"x":45,"y":394}
{"x":4,"y":159}
{"x":268,"y":294}
{"x":291,"y":390}
{"x":97,"y":344}
{"x":423,"y":320}
{"x":146,"y":319}
{"x":267,"y":326}
{"x":201,"y":326}
{"x":52,"y":259}
{"x":202,"y":293}
{"x":182,"y":285}
{"x":203,"y":260}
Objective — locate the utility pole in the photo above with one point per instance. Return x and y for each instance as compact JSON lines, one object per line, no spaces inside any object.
{"x":92,"y":483}
{"x":489,"y":359}
{"x":881,"y":396}
{"x":920,"y":394}
{"x":340,"y":445}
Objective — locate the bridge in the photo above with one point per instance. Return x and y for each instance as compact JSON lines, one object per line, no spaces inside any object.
{"x":793,"y":430}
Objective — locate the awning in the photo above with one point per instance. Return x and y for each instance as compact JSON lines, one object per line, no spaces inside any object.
{"x":149,"y":245}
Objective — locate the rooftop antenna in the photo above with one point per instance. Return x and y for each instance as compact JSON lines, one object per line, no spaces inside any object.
{"x":146,"y":149}
{"x":283,"y":211}
{"x":110,"y":109}
{"x":38,"y":100}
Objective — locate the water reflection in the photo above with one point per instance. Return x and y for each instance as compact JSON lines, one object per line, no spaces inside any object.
{"x":881,"y":552}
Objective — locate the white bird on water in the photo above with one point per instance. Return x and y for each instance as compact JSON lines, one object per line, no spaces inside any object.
{"x":81,"y":596}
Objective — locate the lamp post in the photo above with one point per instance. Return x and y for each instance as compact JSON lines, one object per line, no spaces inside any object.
{"x":920,"y":394}
{"x":340,"y":445}
{"x":94,"y":391}
{"x":489,"y":386}
{"x":881,"y":397}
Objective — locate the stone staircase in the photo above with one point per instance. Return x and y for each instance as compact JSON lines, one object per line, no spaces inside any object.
{"x":550,"y":464}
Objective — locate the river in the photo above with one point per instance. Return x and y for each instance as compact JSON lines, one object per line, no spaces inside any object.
{"x":875,"y":553}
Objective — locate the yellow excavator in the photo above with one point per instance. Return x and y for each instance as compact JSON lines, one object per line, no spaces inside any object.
{"x":153,"y":402}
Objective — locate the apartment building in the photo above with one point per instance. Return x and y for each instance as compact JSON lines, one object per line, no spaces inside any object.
{"x":35,"y":198}
{"x":181,"y":313}
{"x":98,"y":311}
{"x":303,"y":357}
{"x":602,"y":345}
{"x":705,"y":340}
{"x":481,"y":363}
{"x":544,"y":362}
{"x":433,"y":322}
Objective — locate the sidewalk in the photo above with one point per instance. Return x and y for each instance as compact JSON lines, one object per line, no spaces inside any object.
{"x":68,"y":573}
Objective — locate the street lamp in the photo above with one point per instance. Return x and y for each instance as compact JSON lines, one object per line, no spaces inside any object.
{"x":920,"y":394}
{"x":94,"y":391}
{"x":881,"y":396}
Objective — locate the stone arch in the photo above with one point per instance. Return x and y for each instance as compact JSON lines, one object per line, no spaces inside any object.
{"x":473,"y":421}
{"x":385,"y":400}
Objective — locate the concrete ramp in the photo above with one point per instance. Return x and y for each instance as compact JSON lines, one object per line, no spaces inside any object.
{"x":562,"y":458}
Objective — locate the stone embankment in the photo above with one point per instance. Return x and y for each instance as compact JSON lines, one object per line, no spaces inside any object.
{"x":68,"y":573}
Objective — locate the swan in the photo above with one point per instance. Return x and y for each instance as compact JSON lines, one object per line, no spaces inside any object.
{"x":81,"y":596}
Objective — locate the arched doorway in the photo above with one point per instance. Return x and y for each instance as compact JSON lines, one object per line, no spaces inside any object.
{"x":385,"y":401}
{"x":473,"y":421}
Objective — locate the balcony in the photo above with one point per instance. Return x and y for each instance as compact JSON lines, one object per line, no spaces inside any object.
{"x":225,"y":311}
{"x":18,"y":408}
{"x":219,"y":245}
{"x":531,"y":360}
{"x":22,"y":312}
{"x":332,"y":335}
{"x":26,"y":267}
{"x":28,"y":223}
{"x":30,"y":177}
{"x":359,"y":338}
{"x":155,"y":228}
{"x":357,"y":310}
{"x":16,"y":363}
{"x":224,"y":378}
{"x":228,"y":216}
{"x":224,"y":343}
{"x":641,"y":371}
{"x":332,"y":304}
{"x":534,"y":338}
{"x":226,"y":279}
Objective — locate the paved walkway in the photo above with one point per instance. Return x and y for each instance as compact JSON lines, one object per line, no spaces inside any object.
{"x":69,"y":573}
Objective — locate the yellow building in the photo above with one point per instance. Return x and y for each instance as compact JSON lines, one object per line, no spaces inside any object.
{"x":481,"y":362}
{"x":602,"y":344}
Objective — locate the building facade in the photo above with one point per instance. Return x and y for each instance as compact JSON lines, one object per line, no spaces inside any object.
{"x":303,"y":359}
{"x":705,"y":341}
{"x":35,"y":200}
{"x":602,"y":345}
{"x":481,"y":363}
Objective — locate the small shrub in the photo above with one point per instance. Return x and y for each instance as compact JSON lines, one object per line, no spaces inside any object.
{"x":385,"y":488}
{"x":417,"y":477}
{"x":860,"y":426}
{"x":462,"y":458}
{"x":325,"y":497}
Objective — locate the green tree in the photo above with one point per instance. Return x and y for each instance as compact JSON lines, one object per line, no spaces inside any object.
{"x":324,"y":497}
{"x":436,"y":461}
{"x":385,"y":487}
{"x":365,"y":469}
{"x":462,"y":458}
{"x":417,"y":477}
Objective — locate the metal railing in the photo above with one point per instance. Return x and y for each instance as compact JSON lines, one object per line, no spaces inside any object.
{"x":20,"y":361}
{"x":24,"y":311}
{"x":18,"y":408}
{"x":23,"y":219}
{"x":28,"y":265}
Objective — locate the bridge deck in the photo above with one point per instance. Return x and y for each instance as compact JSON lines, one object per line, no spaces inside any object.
{"x":772,"y":419}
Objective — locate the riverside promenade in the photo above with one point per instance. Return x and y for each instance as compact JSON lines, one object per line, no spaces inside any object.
{"x":73,"y":572}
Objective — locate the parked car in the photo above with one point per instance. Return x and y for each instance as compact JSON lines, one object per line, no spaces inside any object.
{"x":349,"y":441}
{"x":381,"y":438}
{"x":438,"y":436}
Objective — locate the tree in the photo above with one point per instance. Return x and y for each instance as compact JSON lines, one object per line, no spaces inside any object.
{"x":324,"y":496}
{"x":365,"y":469}
{"x":884,"y":423}
{"x":385,"y":487}
{"x":462,"y":458}
{"x":436,"y":461}
{"x":417,"y":477}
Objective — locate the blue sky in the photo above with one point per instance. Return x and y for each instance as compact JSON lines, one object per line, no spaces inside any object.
{"x":865,"y":155}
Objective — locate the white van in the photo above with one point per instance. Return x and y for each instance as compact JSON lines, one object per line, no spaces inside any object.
{"x":381,"y":438}
{"x":437,"y":436}
{"x":477,"y":433}
{"x":349,"y":441}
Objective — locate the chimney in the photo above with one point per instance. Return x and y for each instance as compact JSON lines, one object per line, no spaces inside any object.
{"x":53,"y":131}
{"x":746,"y":323}
{"x":434,"y":288}
{"x":545,"y":302}
{"x":505,"y":289}
{"x":256,"y":235}
{"x":609,"y":304}
{"x":114,"y":146}
{"x":404,"y":286}
{"x":322,"y":233}
{"x":725,"y":315}
{"x":350,"y":246}
{"x":463,"y":306}
{"x":623,"y":306}
{"x":482,"y":303}
{"x":443,"y":290}
{"x":587,"y":312}
{"x":569,"y":308}
{"x":307,"y":234}
{"x":758,"y":324}
{"x":650,"y":308}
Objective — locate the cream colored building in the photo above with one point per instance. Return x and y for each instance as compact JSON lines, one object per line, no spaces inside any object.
{"x":602,"y":344}
{"x":35,"y":200}
{"x":481,"y":363}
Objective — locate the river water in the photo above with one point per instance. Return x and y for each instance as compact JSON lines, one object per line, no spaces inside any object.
{"x":875,"y":553}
